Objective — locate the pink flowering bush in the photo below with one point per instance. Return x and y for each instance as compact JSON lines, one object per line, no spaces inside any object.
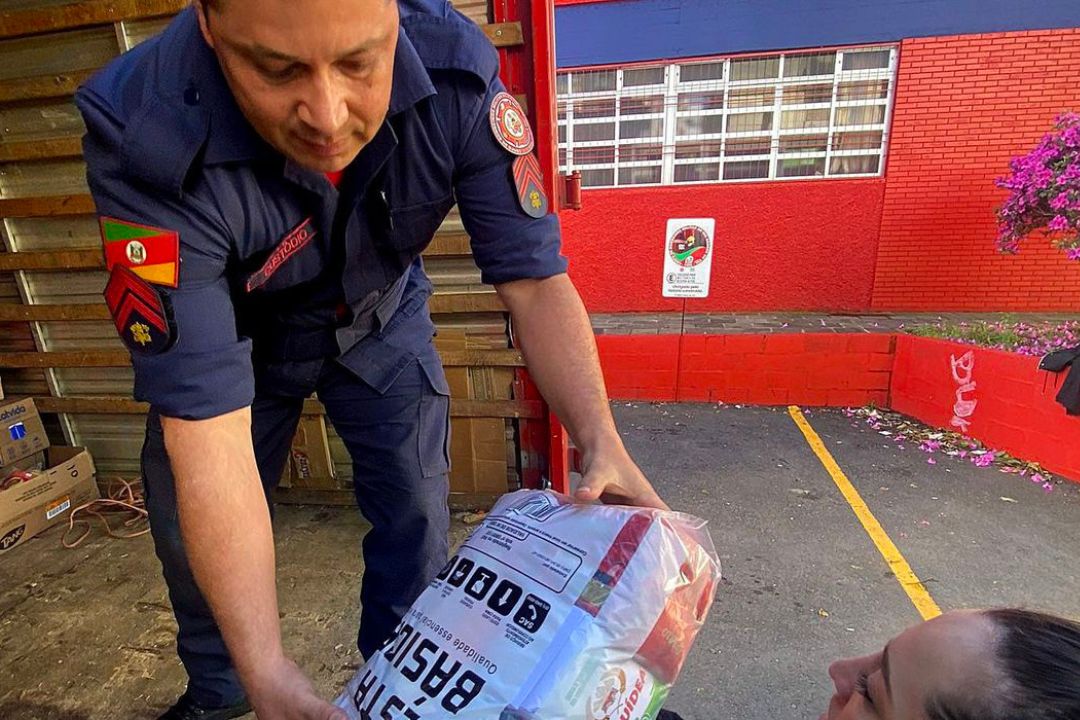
{"x":1024,"y":338}
{"x":1044,"y":191}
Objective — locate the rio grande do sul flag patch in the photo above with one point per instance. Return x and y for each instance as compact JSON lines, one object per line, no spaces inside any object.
{"x":152,"y":253}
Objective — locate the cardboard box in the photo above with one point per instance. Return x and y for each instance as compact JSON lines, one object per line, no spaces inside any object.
{"x":21,"y":432}
{"x":46,"y":496}
{"x":17,"y":530}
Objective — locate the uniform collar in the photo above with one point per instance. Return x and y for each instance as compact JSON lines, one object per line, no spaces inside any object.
{"x":233,"y":139}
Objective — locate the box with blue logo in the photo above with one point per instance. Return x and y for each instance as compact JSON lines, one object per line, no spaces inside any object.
{"x":39,"y":485}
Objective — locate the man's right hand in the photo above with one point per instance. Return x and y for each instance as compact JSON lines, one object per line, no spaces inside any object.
{"x":225,"y":524}
{"x":282,"y":692}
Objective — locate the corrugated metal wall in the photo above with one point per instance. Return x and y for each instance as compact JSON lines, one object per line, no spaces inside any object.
{"x":46,"y":216}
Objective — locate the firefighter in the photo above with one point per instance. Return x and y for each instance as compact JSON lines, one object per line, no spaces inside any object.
{"x":267,"y":174}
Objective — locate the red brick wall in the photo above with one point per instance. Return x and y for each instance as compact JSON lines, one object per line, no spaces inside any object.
{"x":964,"y":106}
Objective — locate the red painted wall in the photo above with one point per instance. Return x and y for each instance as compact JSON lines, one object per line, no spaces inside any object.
{"x":790,"y":245}
{"x":805,"y":369}
{"x":964,"y":106}
{"x":1014,"y":409}
{"x":922,"y":238}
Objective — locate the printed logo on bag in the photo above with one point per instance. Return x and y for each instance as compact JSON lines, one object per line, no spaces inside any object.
{"x":9,"y":540}
{"x":608,"y":696}
{"x":611,"y":700}
{"x":538,"y":507}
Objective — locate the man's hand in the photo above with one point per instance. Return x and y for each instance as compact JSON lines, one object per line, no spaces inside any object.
{"x":282,"y":692}
{"x":554,"y":334}
{"x":611,"y":476}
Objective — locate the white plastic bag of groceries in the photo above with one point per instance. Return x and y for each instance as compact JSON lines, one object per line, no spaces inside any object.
{"x":550,"y":611}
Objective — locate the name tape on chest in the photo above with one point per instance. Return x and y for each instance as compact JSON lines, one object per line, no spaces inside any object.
{"x":510,"y":126}
{"x":291,"y":244}
{"x":150,"y":252}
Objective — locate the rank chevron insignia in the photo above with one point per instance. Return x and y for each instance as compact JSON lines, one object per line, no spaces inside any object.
{"x":151,"y":253}
{"x":529,"y":182}
{"x":142,"y":315}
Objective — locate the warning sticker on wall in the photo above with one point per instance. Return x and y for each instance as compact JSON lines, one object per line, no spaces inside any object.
{"x":688,"y":248}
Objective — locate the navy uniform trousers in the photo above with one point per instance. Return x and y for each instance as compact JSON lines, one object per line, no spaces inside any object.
{"x":399,"y":443}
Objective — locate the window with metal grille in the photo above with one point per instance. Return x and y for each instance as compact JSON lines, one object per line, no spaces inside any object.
{"x":778,"y":116}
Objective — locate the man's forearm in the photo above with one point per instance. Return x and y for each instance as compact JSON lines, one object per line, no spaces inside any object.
{"x":554,"y":333}
{"x":225,"y":525}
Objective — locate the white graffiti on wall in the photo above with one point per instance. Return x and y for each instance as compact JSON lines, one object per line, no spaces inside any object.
{"x":963,"y":408}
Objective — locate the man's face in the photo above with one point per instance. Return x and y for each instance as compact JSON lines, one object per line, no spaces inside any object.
{"x":313,"y":78}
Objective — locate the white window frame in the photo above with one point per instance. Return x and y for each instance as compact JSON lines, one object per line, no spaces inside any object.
{"x":670,"y":116}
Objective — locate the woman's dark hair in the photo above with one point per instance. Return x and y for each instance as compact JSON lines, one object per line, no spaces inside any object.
{"x":1038,"y":656}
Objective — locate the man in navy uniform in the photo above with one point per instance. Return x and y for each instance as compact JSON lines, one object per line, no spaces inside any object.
{"x":267,"y":173}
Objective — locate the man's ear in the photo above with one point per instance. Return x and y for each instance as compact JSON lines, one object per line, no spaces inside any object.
{"x":203,"y":12}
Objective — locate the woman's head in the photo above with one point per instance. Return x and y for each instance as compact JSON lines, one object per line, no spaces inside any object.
{"x":971,"y":665}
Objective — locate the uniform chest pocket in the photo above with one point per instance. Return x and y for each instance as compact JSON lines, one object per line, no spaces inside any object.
{"x":412,"y":227}
{"x":297,"y":258}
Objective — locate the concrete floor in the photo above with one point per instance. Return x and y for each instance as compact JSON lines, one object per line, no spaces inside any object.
{"x":87,"y":633}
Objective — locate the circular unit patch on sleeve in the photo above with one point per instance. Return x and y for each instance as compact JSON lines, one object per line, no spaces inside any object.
{"x":509,"y":124}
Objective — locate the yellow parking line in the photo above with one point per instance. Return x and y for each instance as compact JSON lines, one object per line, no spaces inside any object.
{"x":907,"y":578}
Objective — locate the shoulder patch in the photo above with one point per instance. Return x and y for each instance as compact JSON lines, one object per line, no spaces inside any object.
{"x":151,"y":253}
{"x":529,"y":181}
{"x":509,"y":124}
{"x":142,"y":314}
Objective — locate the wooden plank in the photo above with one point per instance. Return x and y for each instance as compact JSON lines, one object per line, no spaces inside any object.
{"x":483,"y":358}
{"x":459,"y":408}
{"x":54,"y":149}
{"x":465,"y":303}
{"x":74,"y":358}
{"x":448,"y":243}
{"x":52,"y":260}
{"x":14,"y":23}
{"x":92,"y":259}
{"x":13,"y":312}
{"x":120,"y":358}
{"x":504,"y":34}
{"x":91,"y":405}
{"x":43,"y":87}
{"x":47,"y":206}
{"x":33,"y":21}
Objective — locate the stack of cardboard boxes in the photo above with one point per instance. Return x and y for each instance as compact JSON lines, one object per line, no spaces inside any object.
{"x":39,"y":485}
